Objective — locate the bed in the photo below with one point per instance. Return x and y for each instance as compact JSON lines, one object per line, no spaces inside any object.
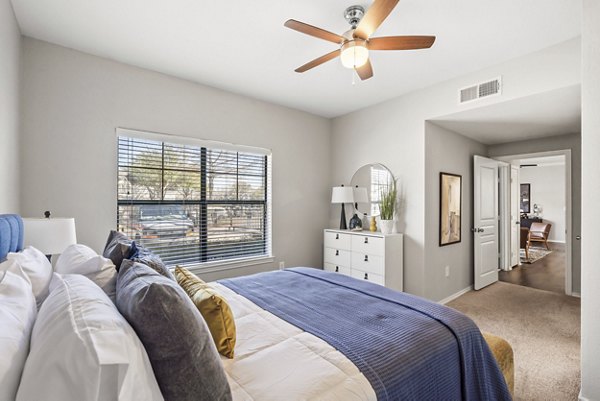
{"x":306,"y":334}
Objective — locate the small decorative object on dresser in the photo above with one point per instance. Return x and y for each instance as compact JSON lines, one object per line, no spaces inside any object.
{"x":450,"y":208}
{"x":368,"y":256}
{"x":355,"y":223}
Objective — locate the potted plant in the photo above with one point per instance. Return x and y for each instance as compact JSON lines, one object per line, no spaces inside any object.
{"x":389,"y":199}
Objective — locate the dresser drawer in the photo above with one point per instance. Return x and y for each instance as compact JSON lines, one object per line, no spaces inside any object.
{"x":338,"y":269}
{"x":337,"y":257}
{"x":362,"y":275}
{"x":337,"y":240}
{"x":368,"y":245}
{"x":368,"y":263}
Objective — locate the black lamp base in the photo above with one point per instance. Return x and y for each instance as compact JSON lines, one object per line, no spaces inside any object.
{"x":343,"y":225}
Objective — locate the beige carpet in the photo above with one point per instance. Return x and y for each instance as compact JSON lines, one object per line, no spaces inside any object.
{"x":544,"y":330}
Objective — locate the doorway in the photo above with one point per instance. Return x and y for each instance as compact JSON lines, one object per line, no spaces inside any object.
{"x":544,"y":222}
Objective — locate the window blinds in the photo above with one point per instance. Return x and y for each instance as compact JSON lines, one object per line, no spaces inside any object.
{"x":193,"y":204}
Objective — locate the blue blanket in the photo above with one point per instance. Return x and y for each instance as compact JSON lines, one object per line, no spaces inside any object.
{"x":407,"y":347}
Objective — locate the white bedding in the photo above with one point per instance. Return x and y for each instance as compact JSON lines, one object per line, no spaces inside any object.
{"x":275,"y":360}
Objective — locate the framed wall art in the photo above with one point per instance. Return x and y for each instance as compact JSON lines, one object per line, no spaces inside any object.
{"x":450,"y":208}
{"x":525,"y":198}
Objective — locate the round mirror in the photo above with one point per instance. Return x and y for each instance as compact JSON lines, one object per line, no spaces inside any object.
{"x":374,"y":178}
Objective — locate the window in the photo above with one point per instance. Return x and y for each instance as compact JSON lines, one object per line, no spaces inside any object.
{"x":380,"y":183}
{"x":191,"y":201}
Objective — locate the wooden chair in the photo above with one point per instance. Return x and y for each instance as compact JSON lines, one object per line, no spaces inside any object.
{"x":525,"y":241}
{"x":539,"y":232}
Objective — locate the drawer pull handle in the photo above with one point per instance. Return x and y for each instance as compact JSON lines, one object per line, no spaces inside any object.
{"x":337,"y":253}
{"x":337,"y":269}
{"x":366,"y":240}
{"x":337,"y":236}
{"x":366,"y":258}
{"x":366,"y":276}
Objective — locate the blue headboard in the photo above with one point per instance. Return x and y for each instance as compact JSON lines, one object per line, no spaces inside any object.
{"x":11,"y":234}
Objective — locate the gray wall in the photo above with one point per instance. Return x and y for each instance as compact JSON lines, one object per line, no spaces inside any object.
{"x":590,"y":296}
{"x":393,"y":133}
{"x":72,"y":103}
{"x":562,"y":142}
{"x":548,"y":190}
{"x":10,"y":60}
{"x":448,"y":152}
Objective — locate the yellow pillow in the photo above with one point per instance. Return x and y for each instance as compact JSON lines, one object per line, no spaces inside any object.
{"x":212,"y":307}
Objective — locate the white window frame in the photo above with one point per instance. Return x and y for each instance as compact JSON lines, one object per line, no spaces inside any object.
{"x":232,"y":263}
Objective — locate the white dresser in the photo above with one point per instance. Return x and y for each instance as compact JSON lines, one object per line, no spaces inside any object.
{"x":365,"y":255}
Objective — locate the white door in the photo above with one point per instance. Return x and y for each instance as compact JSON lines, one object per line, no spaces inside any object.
{"x":485,"y":220}
{"x":515,"y":217}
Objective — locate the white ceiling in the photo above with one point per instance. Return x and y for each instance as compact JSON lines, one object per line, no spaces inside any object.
{"x":555,"y":112}
{"x":243,"y":47}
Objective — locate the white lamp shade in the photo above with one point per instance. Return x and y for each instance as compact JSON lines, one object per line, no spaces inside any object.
{"x":360,"y":195}
{"x":51,"y":236}
{"x":342,"y":195}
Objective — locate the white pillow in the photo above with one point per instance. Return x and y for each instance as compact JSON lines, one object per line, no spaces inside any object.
{"x":80,"y":259}
{"x":37,"y":267}
{"x":17,"y":314}
{"x":83,"y":349}
{"x":73,"y":255}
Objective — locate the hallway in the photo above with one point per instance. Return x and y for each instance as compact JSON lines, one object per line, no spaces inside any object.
{"x":547,"y":273}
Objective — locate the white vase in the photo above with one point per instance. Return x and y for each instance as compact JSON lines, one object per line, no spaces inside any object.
{"x":386,"y":226}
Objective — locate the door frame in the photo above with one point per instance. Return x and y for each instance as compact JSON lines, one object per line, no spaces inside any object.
{"x":515,"y":241}
{"x":568,"y":207}
{"x":504,"y":215}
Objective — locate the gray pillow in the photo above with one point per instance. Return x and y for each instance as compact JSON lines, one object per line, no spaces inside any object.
{"x":150,"y":259}
{"x":179,"y":345}
{"x":118,"y":247}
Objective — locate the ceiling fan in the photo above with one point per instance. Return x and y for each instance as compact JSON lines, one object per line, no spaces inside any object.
{"x":356,"y":42}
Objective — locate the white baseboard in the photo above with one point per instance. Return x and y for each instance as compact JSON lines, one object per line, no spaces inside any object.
{"x":455,"y":295}
{"x":556,"y":241}
{"x":582,"y":398}
{"x":576,"y":294}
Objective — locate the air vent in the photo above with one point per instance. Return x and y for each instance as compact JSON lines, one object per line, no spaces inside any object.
{"x":484,"y":89}
{"x":468,"y":94}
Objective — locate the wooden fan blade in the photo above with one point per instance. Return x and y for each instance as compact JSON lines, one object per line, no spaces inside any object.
{"x":401,"y":42}
{"x":313,"y":31}
{"x":374,"y":17}
{"x":365,"y":71}
{"x":318,"y":61}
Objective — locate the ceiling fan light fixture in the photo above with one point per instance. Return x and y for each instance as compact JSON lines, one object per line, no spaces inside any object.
{"x":354,"y":53}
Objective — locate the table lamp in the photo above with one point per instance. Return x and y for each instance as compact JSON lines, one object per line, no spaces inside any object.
{"x":342,"y":195}
{"x":50,"y":235}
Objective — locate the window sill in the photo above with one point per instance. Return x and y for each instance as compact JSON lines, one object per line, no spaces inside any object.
{"x":210,"y":267}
